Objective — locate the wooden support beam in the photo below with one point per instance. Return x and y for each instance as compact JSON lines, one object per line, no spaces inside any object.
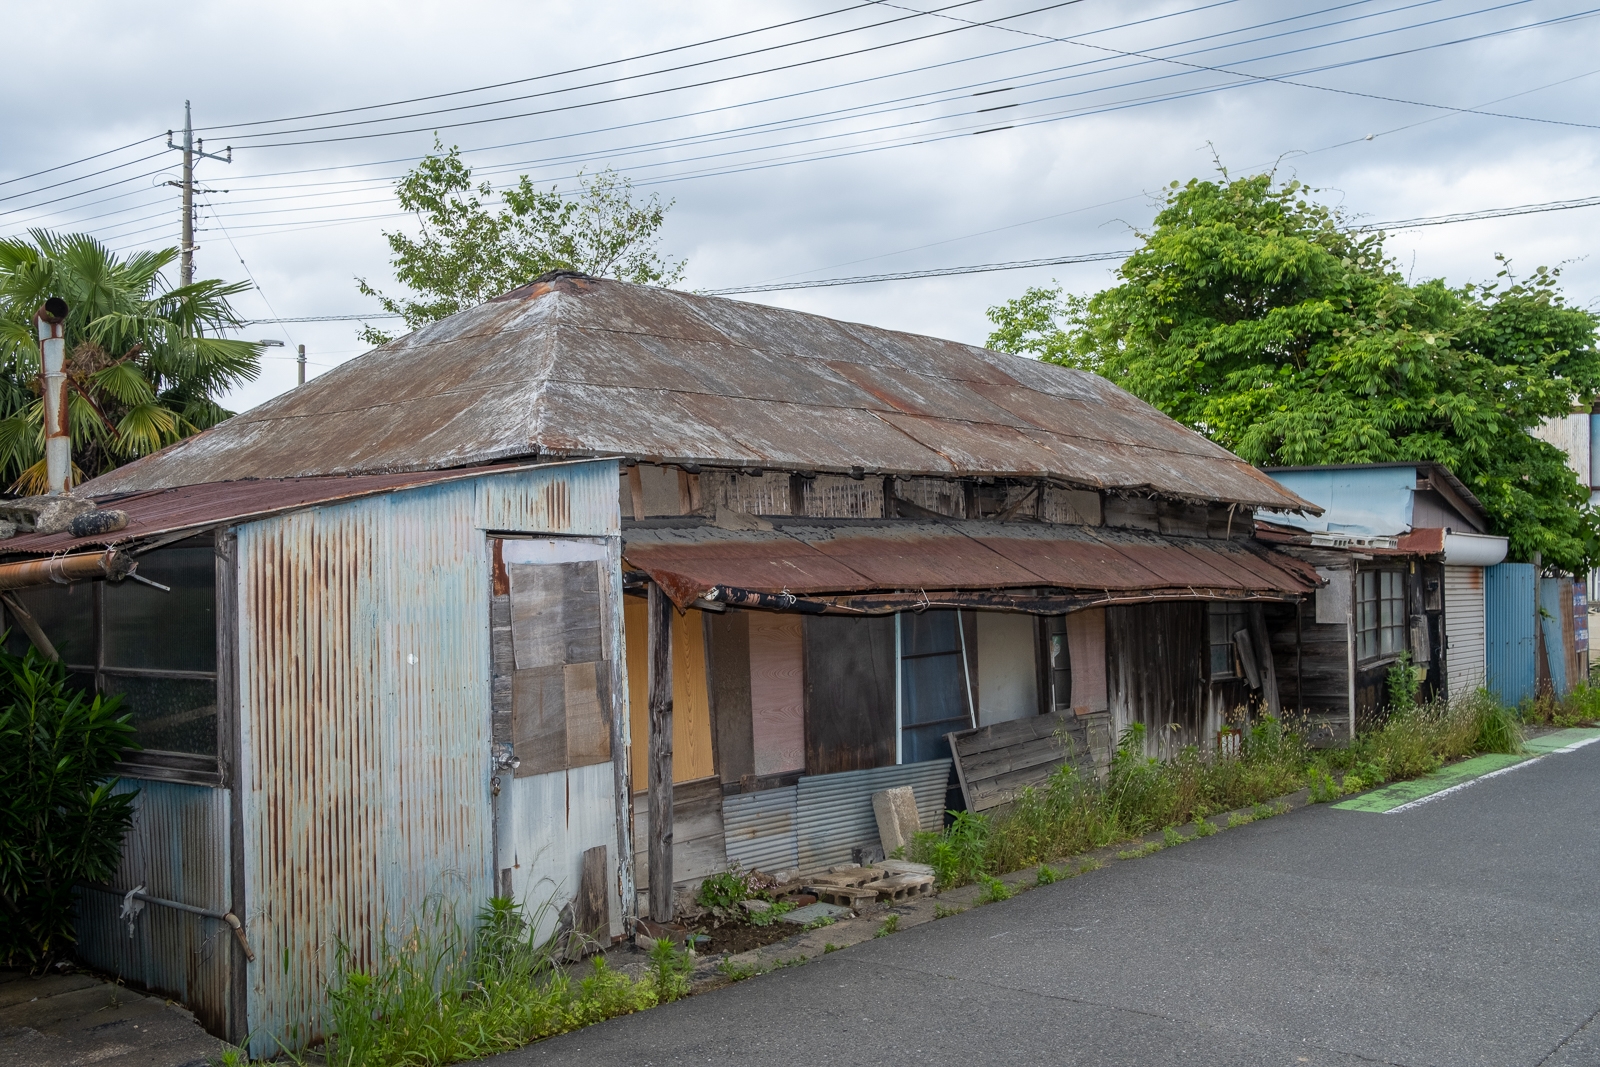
{"x":660,"y":701}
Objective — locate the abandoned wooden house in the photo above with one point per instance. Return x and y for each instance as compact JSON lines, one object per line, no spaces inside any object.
{"x":598,"y":571}
{"x":1405,"y":554}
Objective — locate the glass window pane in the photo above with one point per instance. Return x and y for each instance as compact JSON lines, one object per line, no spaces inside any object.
{"x":933,"y":691}
{"x":926,"y":743}
{"x":929,"y":632}
{"x":175,"y":631}
{"x":66,"y":615}
{"x":170,"y":714}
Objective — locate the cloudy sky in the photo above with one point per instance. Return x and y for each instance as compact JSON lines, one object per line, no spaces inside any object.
{"x":806,"y":139}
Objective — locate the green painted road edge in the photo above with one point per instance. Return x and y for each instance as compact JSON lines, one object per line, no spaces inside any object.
{"x":1448,"y":779}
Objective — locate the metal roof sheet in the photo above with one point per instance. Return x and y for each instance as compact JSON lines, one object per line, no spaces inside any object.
{"x":816,"y":557}
{"x":571,"y":366}
{"x":155,"y":512}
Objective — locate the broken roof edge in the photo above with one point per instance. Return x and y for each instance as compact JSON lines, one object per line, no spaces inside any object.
{"x":55,"y":544}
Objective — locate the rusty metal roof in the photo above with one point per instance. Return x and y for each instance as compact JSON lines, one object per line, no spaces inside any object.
{"x":812,"y":557}
{"x":156,"y":512}
{"x":572,"y":366}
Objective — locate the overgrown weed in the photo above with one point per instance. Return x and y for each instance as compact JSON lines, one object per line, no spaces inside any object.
{"x":438,"y":994}
{"x":1072,"y":814}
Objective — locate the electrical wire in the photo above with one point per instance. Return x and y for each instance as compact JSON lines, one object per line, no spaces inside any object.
{"x":852,"y":133}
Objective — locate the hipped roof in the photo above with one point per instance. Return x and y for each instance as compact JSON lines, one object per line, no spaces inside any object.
{"x":571,"y":366}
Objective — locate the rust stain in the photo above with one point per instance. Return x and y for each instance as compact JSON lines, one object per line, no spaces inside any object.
{"x":576,"y":366}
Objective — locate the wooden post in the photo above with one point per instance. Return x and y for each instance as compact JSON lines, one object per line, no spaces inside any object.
{"x":660,"y":700}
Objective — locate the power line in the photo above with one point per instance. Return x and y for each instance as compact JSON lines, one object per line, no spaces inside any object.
{"x":938,"y":272}
{"x":791,"y":123}
{"x":794,"y":123}
{"x":546,"y":76}
{"x":1024,"y":264}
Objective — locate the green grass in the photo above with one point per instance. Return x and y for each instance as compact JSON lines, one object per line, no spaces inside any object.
{"x":993,"y":890}
{"x":890,"y":925}
{"x":438,"y":994}
{"x":1071,"y":814}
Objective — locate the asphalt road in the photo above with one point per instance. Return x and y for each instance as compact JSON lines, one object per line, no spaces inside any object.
{"x":1461,"y":932}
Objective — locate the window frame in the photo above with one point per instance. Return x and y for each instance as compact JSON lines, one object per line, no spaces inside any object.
{"x":191,"y":768}
{"x":1380,"y":641}
{"x":1219,"y":609}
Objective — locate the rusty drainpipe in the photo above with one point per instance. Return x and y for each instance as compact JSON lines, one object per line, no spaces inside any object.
{"x":51,"y":320}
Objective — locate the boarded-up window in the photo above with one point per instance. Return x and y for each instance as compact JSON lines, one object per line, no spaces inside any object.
{"x":560,"y":651}
{"x":691,"y":709}
{"x":777,"y":693}
{"x":849,"y":686}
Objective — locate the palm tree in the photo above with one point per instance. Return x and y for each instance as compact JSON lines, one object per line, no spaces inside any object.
{"x":142,"y":370}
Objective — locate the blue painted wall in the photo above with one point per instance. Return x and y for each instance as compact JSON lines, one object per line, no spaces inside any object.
{"x":1366,"y":500}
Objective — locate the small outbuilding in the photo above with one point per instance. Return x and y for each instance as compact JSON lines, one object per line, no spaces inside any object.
{"x":1404,"y":550}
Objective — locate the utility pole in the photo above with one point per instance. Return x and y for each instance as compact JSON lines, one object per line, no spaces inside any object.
{"x":301,"y":360}
{"x":192,"y":150}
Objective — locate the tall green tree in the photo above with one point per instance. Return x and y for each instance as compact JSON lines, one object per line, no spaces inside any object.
{"x":1263,"y":319}
{"x":467,"y":250}
{"x":144,"y":365}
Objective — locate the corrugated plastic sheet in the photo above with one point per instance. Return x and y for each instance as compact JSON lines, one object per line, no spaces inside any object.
{"x":364,"y":700}
{"x":810,"y":557}
{"x":833,"y":812}
{"x":574,"y":366}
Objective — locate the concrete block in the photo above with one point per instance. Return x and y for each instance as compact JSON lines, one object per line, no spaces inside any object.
{"x":896,"y":810}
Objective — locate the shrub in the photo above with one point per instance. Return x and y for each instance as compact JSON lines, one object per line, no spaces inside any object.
{"x":60,"y":821}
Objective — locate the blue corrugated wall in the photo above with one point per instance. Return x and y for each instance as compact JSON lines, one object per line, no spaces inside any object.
{"x":1509,"y":644}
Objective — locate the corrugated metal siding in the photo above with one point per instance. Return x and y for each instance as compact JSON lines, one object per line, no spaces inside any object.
{"x":834,"y":811}
{"x":759,"y":829}
{"x":572,"y":499}
{"x":177,"y":850}
{"x":1463,"y":626}
{"x":1509,"y":645}
{"x":364,"y":693}
{"x":557,"y":817}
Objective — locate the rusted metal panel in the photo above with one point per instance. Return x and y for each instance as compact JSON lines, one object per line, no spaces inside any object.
{"x":810,"y":557}
{"x":162,"y":511}
{"x":581,"y":366}
{"x":176,"y":850}
{"x":913,"y":555}
{"x":365,"y":762}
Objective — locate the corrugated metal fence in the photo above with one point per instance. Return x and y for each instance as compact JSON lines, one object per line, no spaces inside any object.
{"x":1509,"y":644}
{"x":815,"y":824}
{"x":177,"y":850}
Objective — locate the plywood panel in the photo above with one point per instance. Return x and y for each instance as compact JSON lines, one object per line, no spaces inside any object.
{"x":777,"y":693}
{"x":728,"y":653}
{"x":850,"y":692}
{"x":1008,"y":678}
{"x":1086,"y":645}
{"x":691,"y":709}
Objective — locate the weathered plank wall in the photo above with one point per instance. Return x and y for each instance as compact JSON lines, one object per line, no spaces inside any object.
{"x":1154,"y":670}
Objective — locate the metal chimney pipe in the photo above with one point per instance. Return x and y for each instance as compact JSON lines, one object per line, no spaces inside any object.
{"x":51,"y":320}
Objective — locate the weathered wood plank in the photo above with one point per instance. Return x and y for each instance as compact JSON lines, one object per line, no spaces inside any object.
{"x":660,"y":702}
{"x":994,"y":762}
{"x":592,"y":913}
